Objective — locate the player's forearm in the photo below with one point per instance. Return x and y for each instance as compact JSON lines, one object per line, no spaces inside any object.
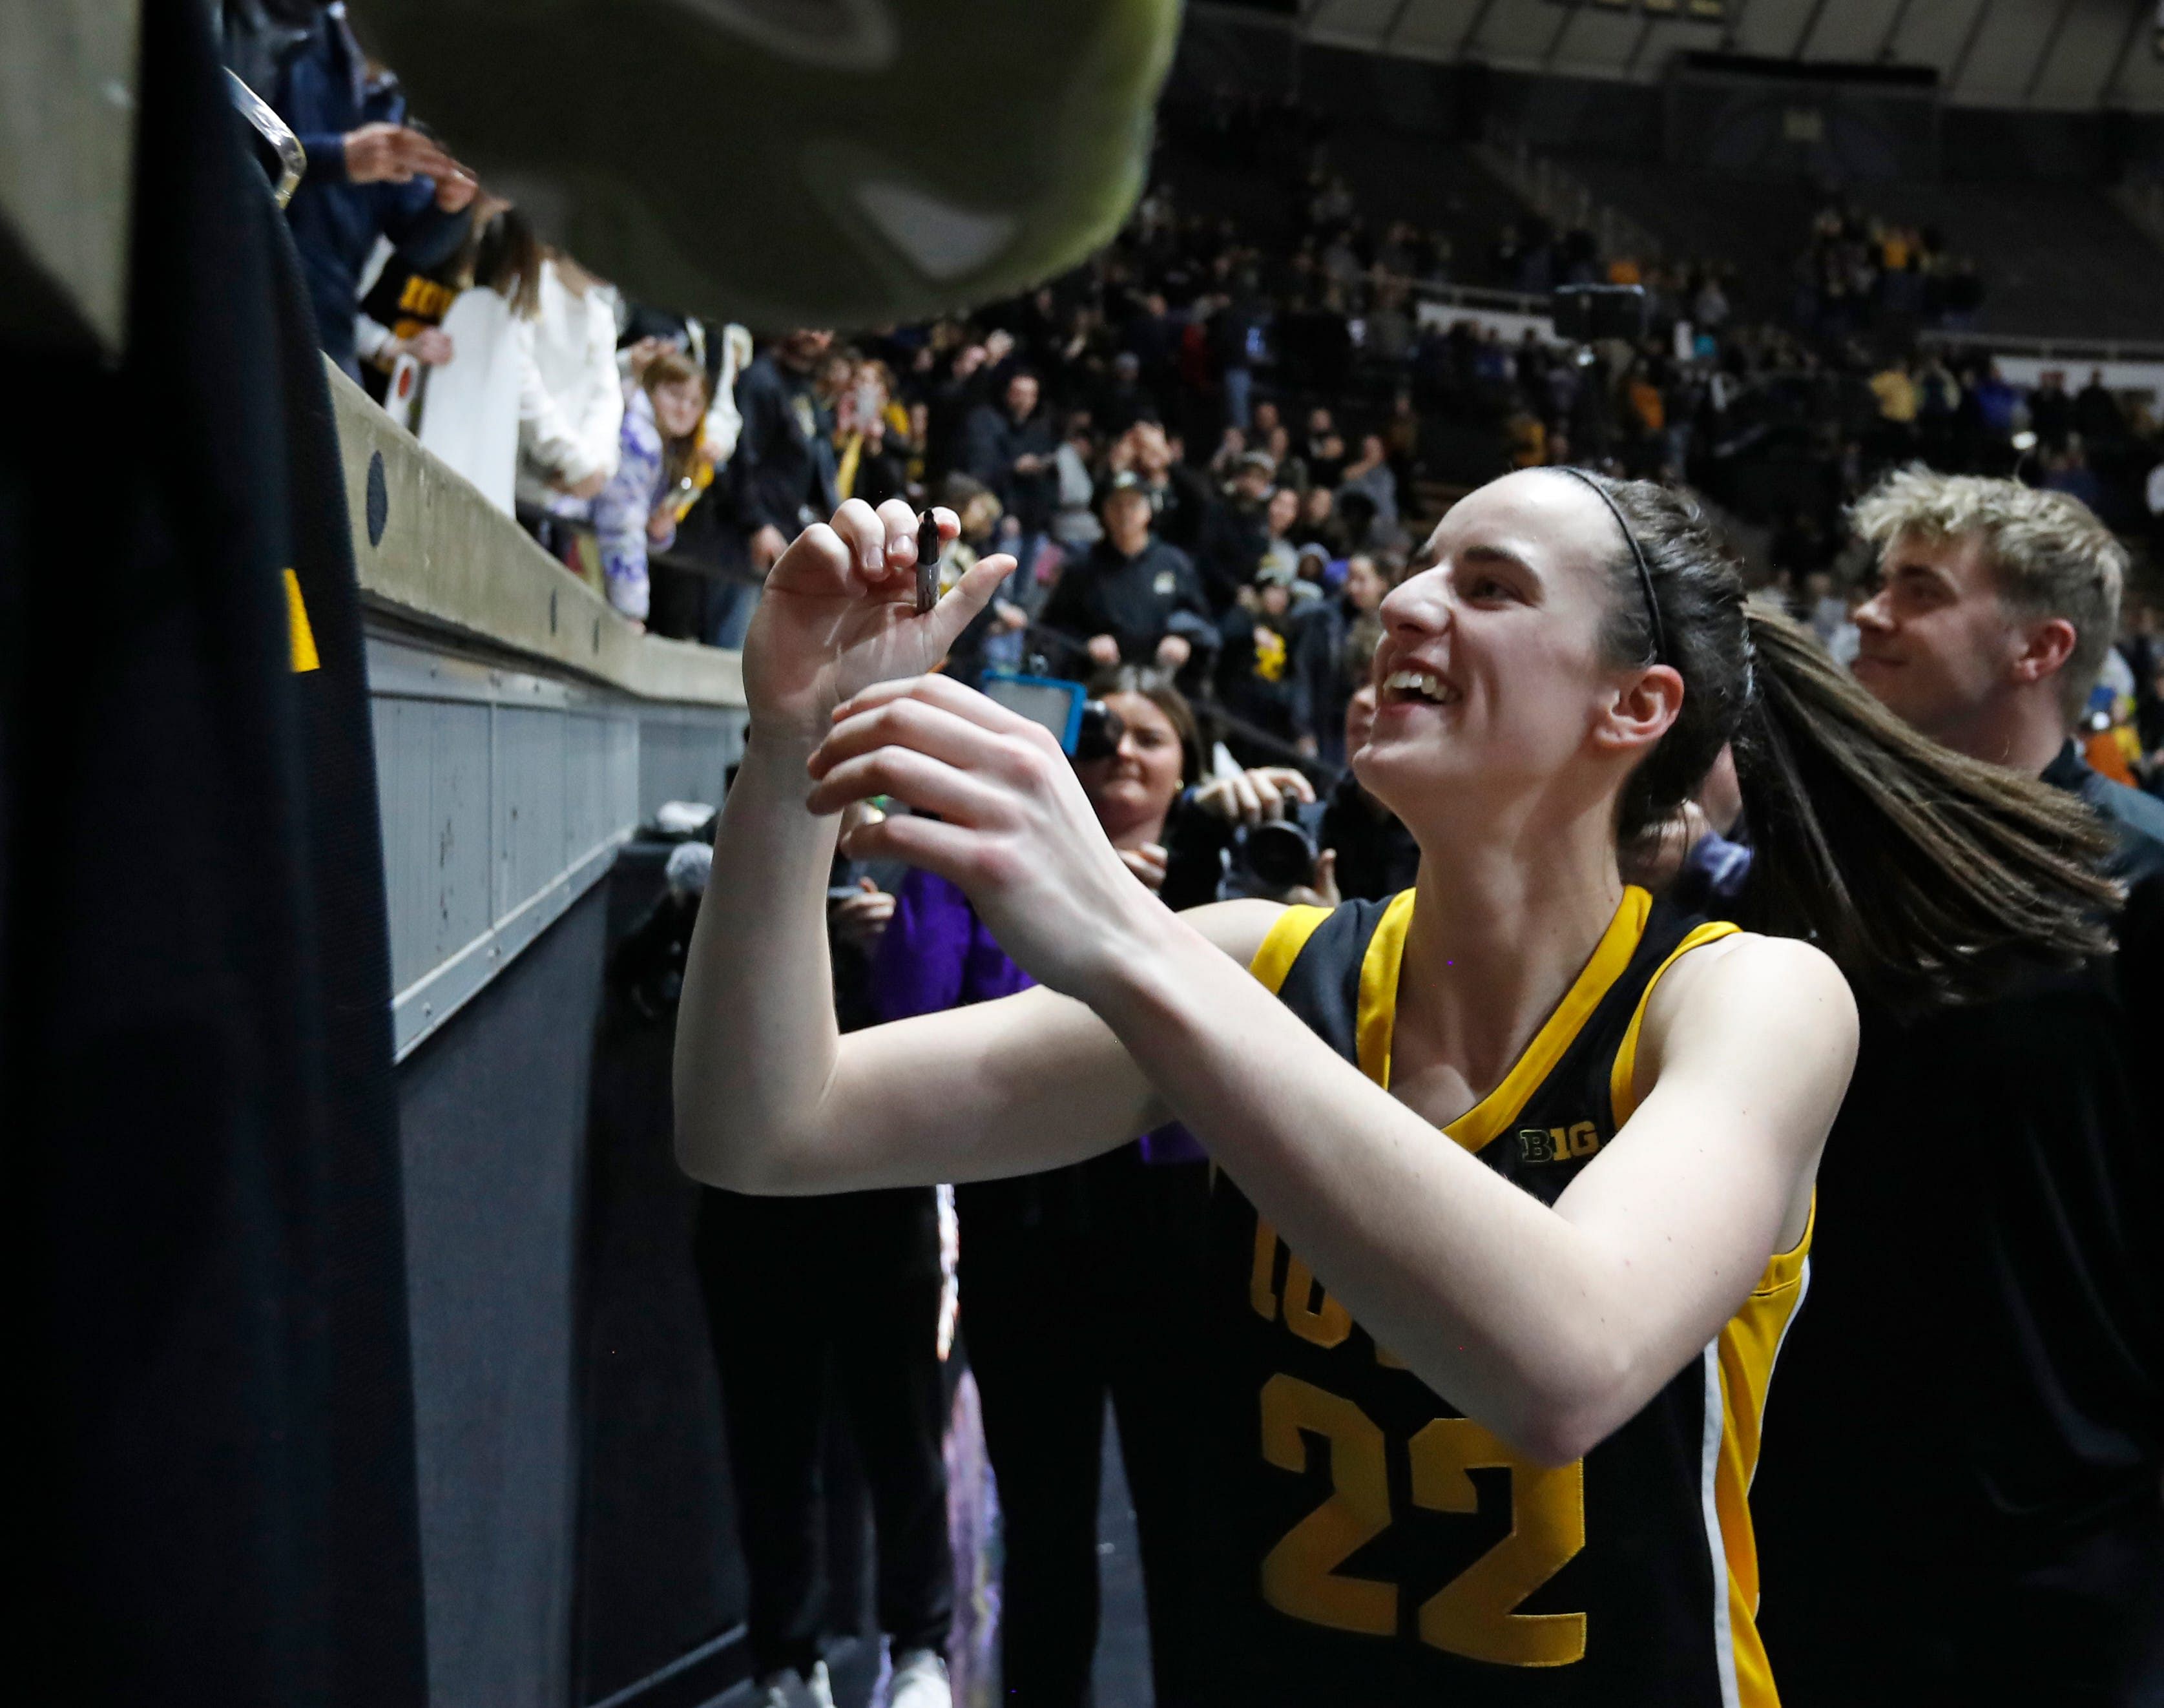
{"x":1490,"y":1296}
{"x":756,"y":1041}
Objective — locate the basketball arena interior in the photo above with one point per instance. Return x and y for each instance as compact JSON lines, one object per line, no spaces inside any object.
{"x":426,"y":414}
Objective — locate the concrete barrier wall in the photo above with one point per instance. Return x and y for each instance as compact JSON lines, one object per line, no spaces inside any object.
{"x":523,"y":730}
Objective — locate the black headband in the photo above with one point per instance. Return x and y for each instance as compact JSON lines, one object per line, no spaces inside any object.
{"x":1637,"y":557}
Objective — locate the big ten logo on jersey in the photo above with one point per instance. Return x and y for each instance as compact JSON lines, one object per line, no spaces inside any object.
{"x":1558,"y":1145}
{"x":1322,"y":1437}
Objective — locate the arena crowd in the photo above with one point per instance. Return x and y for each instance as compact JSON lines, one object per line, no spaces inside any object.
{"x":1295,"y":405}
{"x":1213,"y":454}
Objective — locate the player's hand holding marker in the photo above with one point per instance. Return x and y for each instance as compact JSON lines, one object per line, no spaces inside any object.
{"x":841,"y":613}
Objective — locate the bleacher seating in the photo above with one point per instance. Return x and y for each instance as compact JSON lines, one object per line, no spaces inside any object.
{"x":1433,"y":184}
{"x":2059,"y":260}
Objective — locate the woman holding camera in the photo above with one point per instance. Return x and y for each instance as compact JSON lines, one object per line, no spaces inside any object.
{"x":1515,"y":1171}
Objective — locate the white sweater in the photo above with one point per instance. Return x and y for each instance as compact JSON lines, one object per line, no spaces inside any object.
{"x":570,"y":403}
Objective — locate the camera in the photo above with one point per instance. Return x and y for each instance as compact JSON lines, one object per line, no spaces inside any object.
{"x":1097,"y":736}
{"x":1279,"y":854}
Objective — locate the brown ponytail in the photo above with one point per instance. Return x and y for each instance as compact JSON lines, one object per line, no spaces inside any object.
{"x":1928,"y":876}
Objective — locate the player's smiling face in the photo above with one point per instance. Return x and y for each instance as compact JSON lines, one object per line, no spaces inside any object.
{"x":1491,"y":678}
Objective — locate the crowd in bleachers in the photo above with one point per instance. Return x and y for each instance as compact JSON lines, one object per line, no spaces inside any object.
{"x":1212,"y":451}
{"x":1208,"y":446}
{"x":1861,"y":274}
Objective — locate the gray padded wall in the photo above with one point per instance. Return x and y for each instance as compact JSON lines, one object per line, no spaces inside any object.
{"x":493,"y":1109}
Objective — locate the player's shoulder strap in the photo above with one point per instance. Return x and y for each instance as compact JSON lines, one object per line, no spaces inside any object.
{"x":1622,"y":1074}
{"x":1287,"y":936}
{"x":1337,"y":968}
{"x":1306,"y":937}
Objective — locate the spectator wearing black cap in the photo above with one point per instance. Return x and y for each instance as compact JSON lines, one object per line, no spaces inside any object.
{"x":1133,"y":599}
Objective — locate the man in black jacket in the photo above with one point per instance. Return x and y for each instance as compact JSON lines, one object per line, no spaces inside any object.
{"x":781,"y":476}
{"x":1234,"y":531}
{"x":783,"y":472}
{"x":1134,"y":599}
{"x":369,"y":174}
{"x":2098,"y":417}
{"x":1009,"y":447}
{"x":1959,"y":1500}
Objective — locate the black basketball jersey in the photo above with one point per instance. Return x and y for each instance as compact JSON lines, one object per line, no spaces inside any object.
{"x":408,"y":301}
{"x":1372,"y":1545}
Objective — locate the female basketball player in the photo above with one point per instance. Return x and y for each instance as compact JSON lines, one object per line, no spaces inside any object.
{"x":1517,"y":1168}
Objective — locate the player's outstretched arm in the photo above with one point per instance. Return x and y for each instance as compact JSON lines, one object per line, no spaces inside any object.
{"x":769,"y":1097}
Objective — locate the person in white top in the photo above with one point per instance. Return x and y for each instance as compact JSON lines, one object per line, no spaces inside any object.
{"x":570,"y":402}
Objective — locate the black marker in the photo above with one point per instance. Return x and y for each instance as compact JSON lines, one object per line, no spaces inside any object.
{"x":927,"y":562}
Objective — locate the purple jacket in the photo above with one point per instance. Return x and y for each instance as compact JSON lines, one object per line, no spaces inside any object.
{"x":937,"y":954}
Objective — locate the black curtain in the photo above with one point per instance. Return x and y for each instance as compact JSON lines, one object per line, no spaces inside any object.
{"x":218,"y":1495}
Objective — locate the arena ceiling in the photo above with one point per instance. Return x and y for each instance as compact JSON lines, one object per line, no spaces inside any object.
{"x":2056,"y":54}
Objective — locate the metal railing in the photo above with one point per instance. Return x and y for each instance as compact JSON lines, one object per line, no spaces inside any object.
{"x":2087,"y":349}
{"x":1482,"y":297}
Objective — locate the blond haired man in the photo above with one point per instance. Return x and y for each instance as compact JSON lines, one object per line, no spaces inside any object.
{"x":1995,"y":605}
{"x":1963,"y":1505}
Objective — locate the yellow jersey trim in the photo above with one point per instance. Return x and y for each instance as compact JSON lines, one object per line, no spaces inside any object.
{"x":1287,"y":936}
{"x":1742,"y":1356}
{"x":1741,"y":1360}
{"x":1378,"y":1018}
{"x":1744,"y":1353}
{"x":1622,"y":1075}
{"x":1479,"y":1125}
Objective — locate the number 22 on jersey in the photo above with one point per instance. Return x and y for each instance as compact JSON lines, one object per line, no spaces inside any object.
{"x":1473,"y":1614}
